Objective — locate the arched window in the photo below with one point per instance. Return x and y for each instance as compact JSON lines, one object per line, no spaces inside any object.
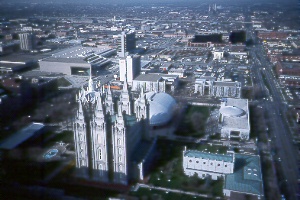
{"x":119,"y":141}
{"x":100,"y":154}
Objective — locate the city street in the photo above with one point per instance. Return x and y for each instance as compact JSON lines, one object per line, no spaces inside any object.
{"x":281,"y":135}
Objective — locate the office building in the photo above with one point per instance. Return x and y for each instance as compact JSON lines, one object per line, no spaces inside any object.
{"x":207,"y":85}
{"x":27,"y":41}
{"x":129,"y":68}
{"x":127,"y":43}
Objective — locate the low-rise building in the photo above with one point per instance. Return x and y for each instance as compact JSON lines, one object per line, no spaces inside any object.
{"x":242,"y":173}
{"x":209,"y":86}
{"x":155,"y":82}
{"x":234,"y":119}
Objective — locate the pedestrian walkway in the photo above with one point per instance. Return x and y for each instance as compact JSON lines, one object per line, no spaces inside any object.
{"x":140,"y":185}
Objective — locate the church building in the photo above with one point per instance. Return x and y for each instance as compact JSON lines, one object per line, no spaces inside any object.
{"x":111,"y":140}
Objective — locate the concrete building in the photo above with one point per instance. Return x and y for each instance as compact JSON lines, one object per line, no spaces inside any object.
{"x":126,"y":43}
{"x":226,"y":89}
{"x":27,"y":41}
{"x":77,"y":60}
{"x":242,"y":173}
{"x":155,"y":82}
{"x":129,"y":68}
{"x":207,"y":164}
{"x":218,"y":55}
{"x":207,"y":85}
{"x":179,"y":72}
{"x":234,"y":119}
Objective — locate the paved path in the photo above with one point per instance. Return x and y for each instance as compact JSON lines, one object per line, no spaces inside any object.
{"x":139,"y":185}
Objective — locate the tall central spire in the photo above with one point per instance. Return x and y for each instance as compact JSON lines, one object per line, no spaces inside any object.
{"x":125,"y":86}
{"x":91,"y":85}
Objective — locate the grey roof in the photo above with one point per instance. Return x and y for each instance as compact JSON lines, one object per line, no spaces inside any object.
{"x":247,"y":176}
{"x":210,"y":156}
{"x":228,"y":84}
{"x":21,"y":136}
{"x":148,"y":77}
{"x":65,"y":60}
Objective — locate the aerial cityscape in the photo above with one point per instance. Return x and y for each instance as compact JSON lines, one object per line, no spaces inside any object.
{"x":150,"y":100}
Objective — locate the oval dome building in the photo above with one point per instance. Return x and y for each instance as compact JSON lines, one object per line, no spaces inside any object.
{"x":161,"y":108}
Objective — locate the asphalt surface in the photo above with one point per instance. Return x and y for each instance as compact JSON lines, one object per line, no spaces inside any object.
{"x":277,"y":107}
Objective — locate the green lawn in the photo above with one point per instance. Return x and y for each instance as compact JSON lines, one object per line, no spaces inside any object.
{"x":193,"y":123}
{"x":169,"y":172}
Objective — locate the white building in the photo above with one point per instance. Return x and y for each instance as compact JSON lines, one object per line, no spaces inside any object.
{"x":105,"y":136}
{"x":207,"y":164}
{"x":241,"y":173}
{"x":234,"y":119}
{"x":178,"y":72}
{"x":209,"y":86}
{"x":226,"y":89}
{"x":161,"y":108}
{"x":218,"y":55}
{"x":129,"y":68}
{"x":27,"y":41}
{"x":155,"y":82}
{"x":126,"y":43}
{"x":76,"y":60}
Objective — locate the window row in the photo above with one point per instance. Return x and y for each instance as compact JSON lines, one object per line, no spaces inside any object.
{"x":205,"y":163}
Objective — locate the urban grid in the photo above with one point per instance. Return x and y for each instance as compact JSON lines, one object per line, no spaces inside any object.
{"x":128,"y":100}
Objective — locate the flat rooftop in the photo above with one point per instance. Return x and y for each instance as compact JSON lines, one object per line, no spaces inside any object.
{"x":224,"y":83}
{"x":148,"y":77}
{"x":240,"y":122}
{"x":209,"y":156}
{"x":247,"y":176}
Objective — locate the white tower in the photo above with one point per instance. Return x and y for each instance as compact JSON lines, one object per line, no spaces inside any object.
{"x":98,"y":140}
{"x":26,"y":41}
{"x":81,"y":142}
{"x":140,"y":106}
{"x":119,"y":150}
{"x":109,"y":104}
{"x":124,"y":103}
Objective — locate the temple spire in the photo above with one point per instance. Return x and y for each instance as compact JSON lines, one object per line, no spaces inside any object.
{"x":125,"y":86}
{"x":91,"y":86}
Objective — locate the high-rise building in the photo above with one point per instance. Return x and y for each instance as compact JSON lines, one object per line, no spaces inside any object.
{"x":126,"y":43}
{"x":27,"y":41}
{"x":130,"y":68}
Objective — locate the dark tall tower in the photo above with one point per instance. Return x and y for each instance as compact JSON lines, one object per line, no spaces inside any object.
{"x":126,"y":43}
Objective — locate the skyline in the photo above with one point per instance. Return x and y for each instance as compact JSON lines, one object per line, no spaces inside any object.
{"x":221,"y":2}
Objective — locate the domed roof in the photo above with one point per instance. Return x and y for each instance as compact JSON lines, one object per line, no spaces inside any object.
{"x":161,"y":107}
{"x":232,"y":111}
